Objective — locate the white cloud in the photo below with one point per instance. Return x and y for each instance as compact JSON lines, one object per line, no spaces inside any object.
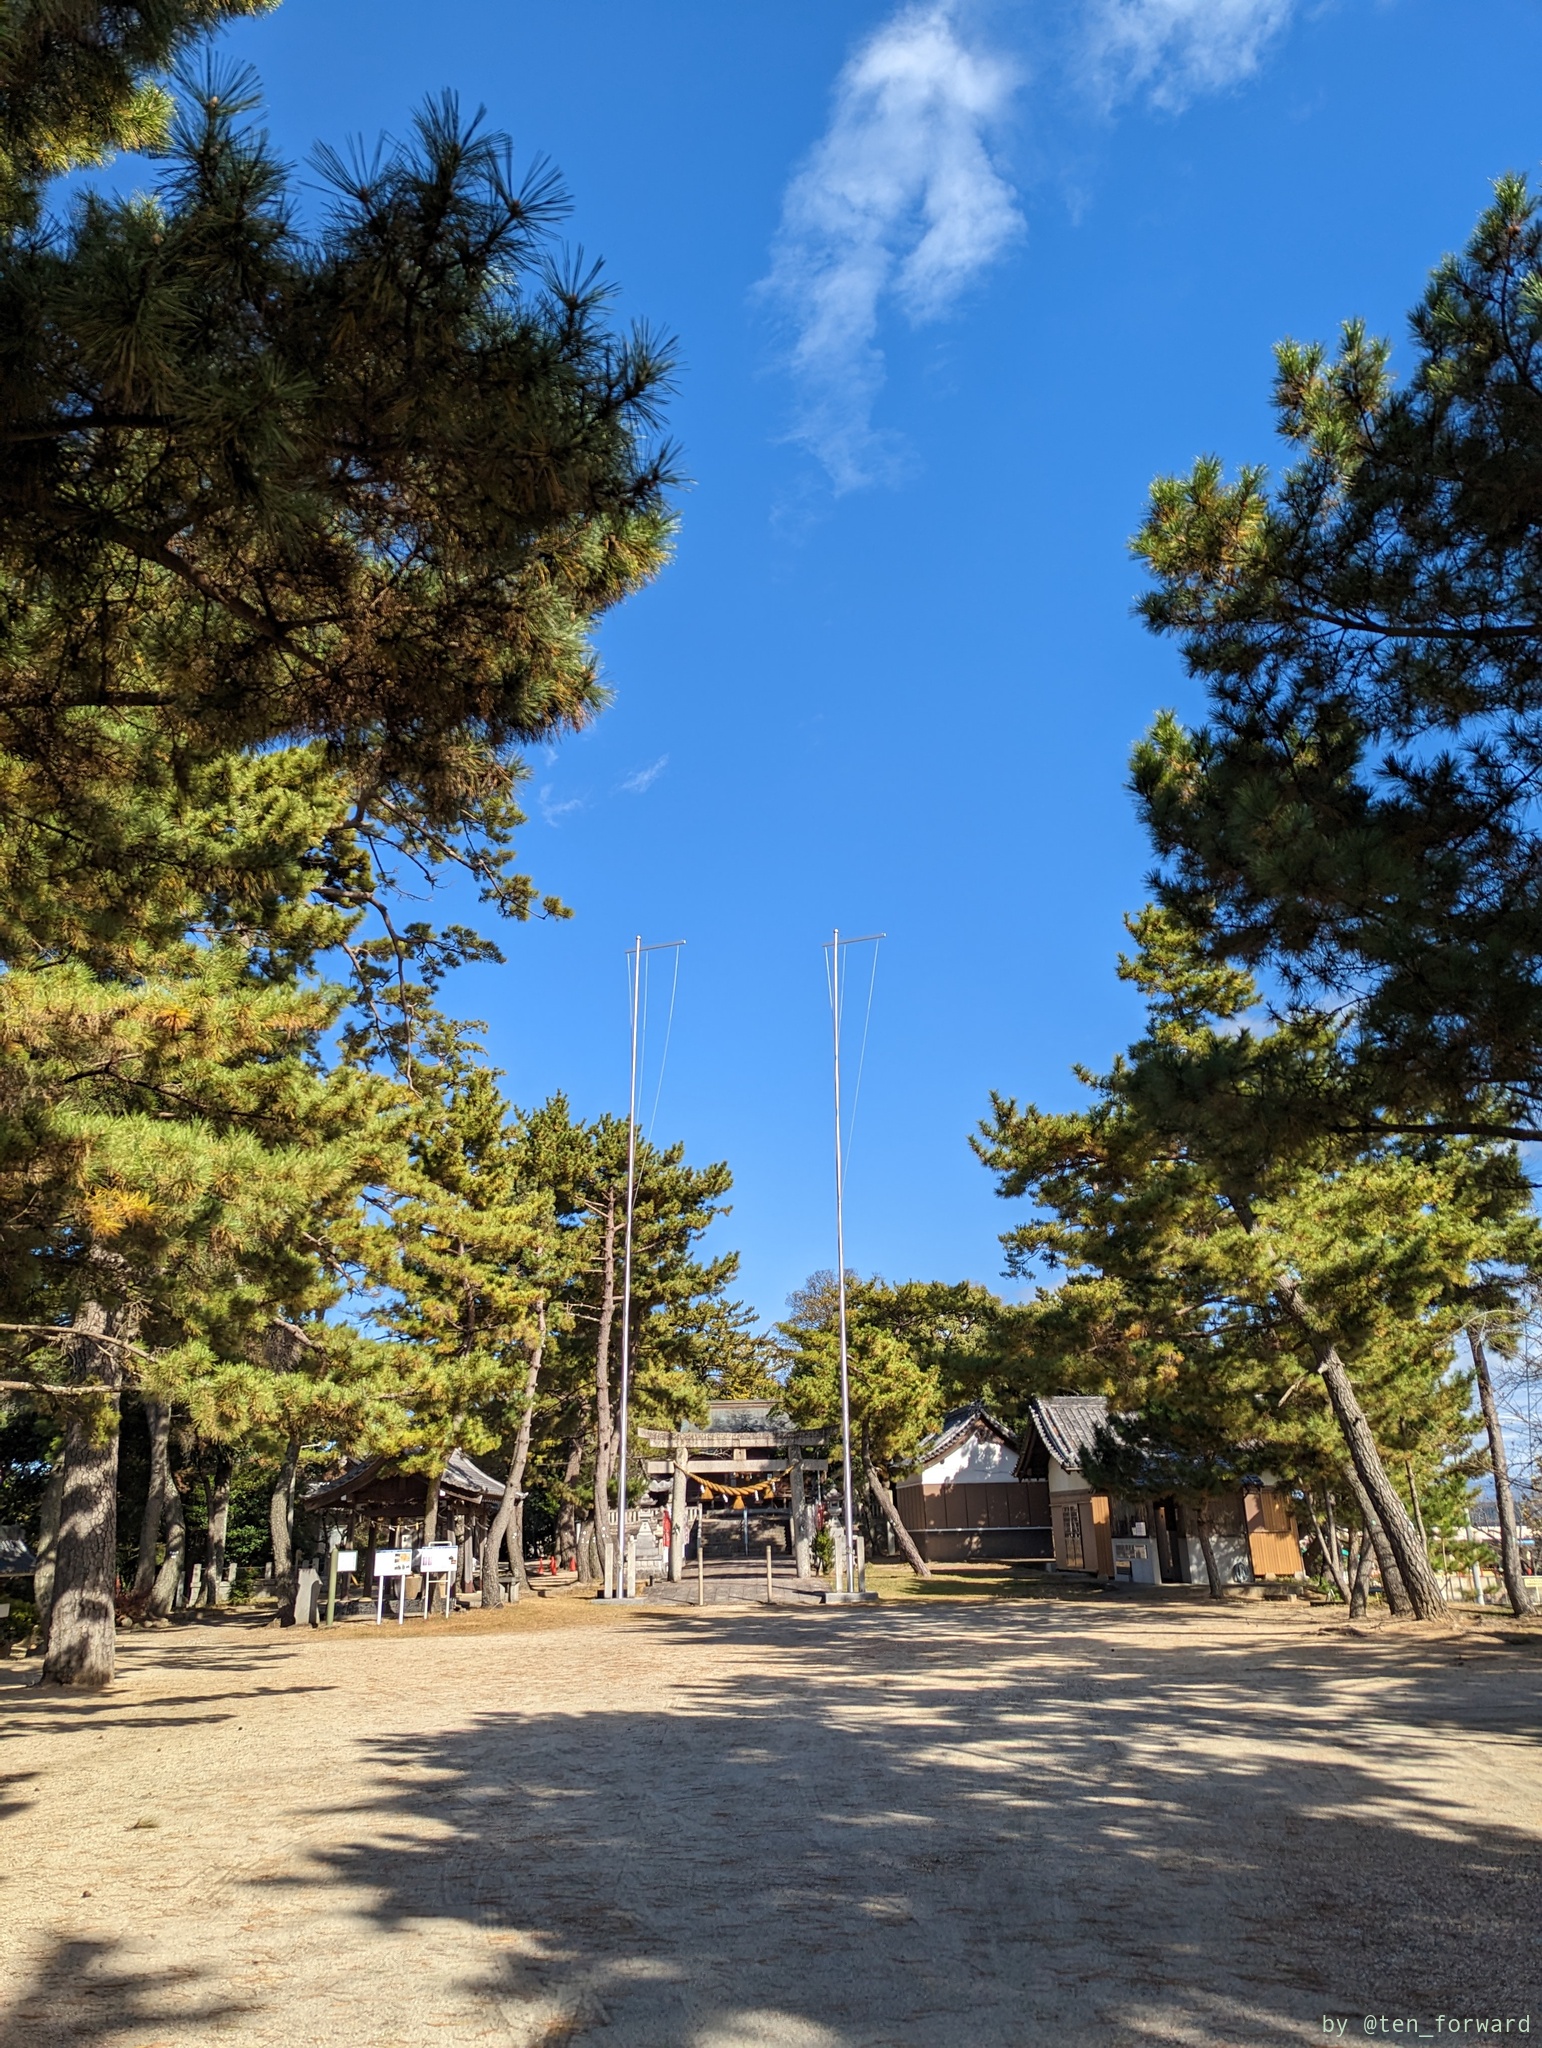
{"x":554,"y":809}
{"x":898,"y":202}
{"x":644,"y":778}
{"x":901,"y":203}
{"x":1173,"y":49}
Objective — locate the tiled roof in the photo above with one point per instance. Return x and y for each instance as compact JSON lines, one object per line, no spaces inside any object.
{"x":460,"y":1472}
{"x":462,"y":1481}
{"x":1067,"y":1423}
{"x":957,"y":1424}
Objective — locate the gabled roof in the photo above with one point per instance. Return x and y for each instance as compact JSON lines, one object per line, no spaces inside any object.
{"x":1067,"y":1424}
{"x":460,"y":1473}
{"x":958,"y":1424}
{"x":382,"y":1477}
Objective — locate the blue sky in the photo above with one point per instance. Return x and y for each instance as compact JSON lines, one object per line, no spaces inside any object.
{"x":951,"y":284}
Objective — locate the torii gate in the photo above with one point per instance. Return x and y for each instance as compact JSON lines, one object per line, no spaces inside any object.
{"x":748,"y":1451}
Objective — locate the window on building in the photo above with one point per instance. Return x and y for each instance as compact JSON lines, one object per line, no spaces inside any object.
{"x":1071,"y":1525}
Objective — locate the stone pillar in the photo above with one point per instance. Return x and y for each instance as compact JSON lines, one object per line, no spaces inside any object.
{"x":307,"y":1586}
{"x":677,"y":1529}
{"x":800,"y":1518}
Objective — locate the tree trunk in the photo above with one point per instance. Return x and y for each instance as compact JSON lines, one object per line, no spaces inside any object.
{"x":281,"y":1530}
{"x":163,"y":1592}
{"x":1333,"y":1530}
{"x":1207,"y":1548}
{"x":567,"y":1513}
{"x":1413,"y":1501}
{"x":1504,"y":1500}
{"x":158,"y":1424}
{"x":891,"y":1514}
{"x":82,"y":1647}
{"x":605,"y":1425}
{"x":509,"y":1523}
{"x":1327,"y":1545}
{"x":492,"y":1543}
{"x":1392,"y":1583}
{"x":1408,"y":1554}
{"x":431,"y":1506}
{"x":47,"y":1547}
{"x":219,"y":1525}
{"x":1362,"y":1579}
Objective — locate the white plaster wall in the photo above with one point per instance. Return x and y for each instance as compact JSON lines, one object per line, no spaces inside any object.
{"x":1061,"y":1481}
{"x":975,"y":1458}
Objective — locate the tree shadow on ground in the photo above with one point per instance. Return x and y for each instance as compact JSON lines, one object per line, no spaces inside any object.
{"x":1113,"y":1832}
{"x":84,"y":1981}
{"x":1119,"y":1844}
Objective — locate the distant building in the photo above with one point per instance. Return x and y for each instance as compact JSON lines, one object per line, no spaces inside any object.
{"x":1150,"y":1542}
{"x":967,"y":1499}
{"x":17,"y":1560}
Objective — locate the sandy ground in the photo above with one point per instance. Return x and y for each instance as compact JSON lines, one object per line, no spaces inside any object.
{"x":931,"y":1823}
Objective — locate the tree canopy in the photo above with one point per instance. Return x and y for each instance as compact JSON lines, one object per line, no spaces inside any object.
{"x":1356,"y":814}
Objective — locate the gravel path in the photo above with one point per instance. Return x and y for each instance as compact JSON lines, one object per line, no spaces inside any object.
{"x":933,"y":1824}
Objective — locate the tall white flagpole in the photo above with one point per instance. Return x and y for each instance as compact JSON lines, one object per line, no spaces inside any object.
{"x":836,"y":943}
{"x":635,"y":955}
{"x":619,"y":1580}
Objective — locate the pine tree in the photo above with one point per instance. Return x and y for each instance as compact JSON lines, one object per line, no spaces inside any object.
{"x":79,"y":83}
{"x":1210,"y":1256}
{"x":362,"y":490}
{"x":1356,"y":814}
{"x":477,"y":1269}
{"x":674,"y":1204}
{"x":895,"y":1391}
{"x":370,"y":481}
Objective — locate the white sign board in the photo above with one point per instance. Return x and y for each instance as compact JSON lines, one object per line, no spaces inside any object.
{"x":438,"y":1557}
{"x":348,"y":1560}
{"x":392,"y":1564}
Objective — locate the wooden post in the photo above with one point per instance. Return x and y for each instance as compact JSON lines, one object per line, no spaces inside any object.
{"x":861,"y":1585}
{"x":332,"y":1581}
{"x":677,"y":1521}
{"x":770,"y":1596}
{"x":631,"y":1566}
{"x":701,"y":1562}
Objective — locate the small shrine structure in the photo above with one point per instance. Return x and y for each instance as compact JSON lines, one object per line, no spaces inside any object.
{"x":378,"y":1505}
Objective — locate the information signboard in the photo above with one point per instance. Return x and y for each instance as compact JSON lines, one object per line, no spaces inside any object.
{"x":392,"y":1564}
{"x":438,"y":1557}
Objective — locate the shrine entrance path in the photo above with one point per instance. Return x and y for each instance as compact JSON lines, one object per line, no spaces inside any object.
{"x":738,"y":1580}
{"x":933,"y":1824}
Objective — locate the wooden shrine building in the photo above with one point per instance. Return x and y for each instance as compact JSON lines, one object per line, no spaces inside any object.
{"x":967,"y":1500}
{"x":376,"y":1504}
{"x":1150,"y":1542}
